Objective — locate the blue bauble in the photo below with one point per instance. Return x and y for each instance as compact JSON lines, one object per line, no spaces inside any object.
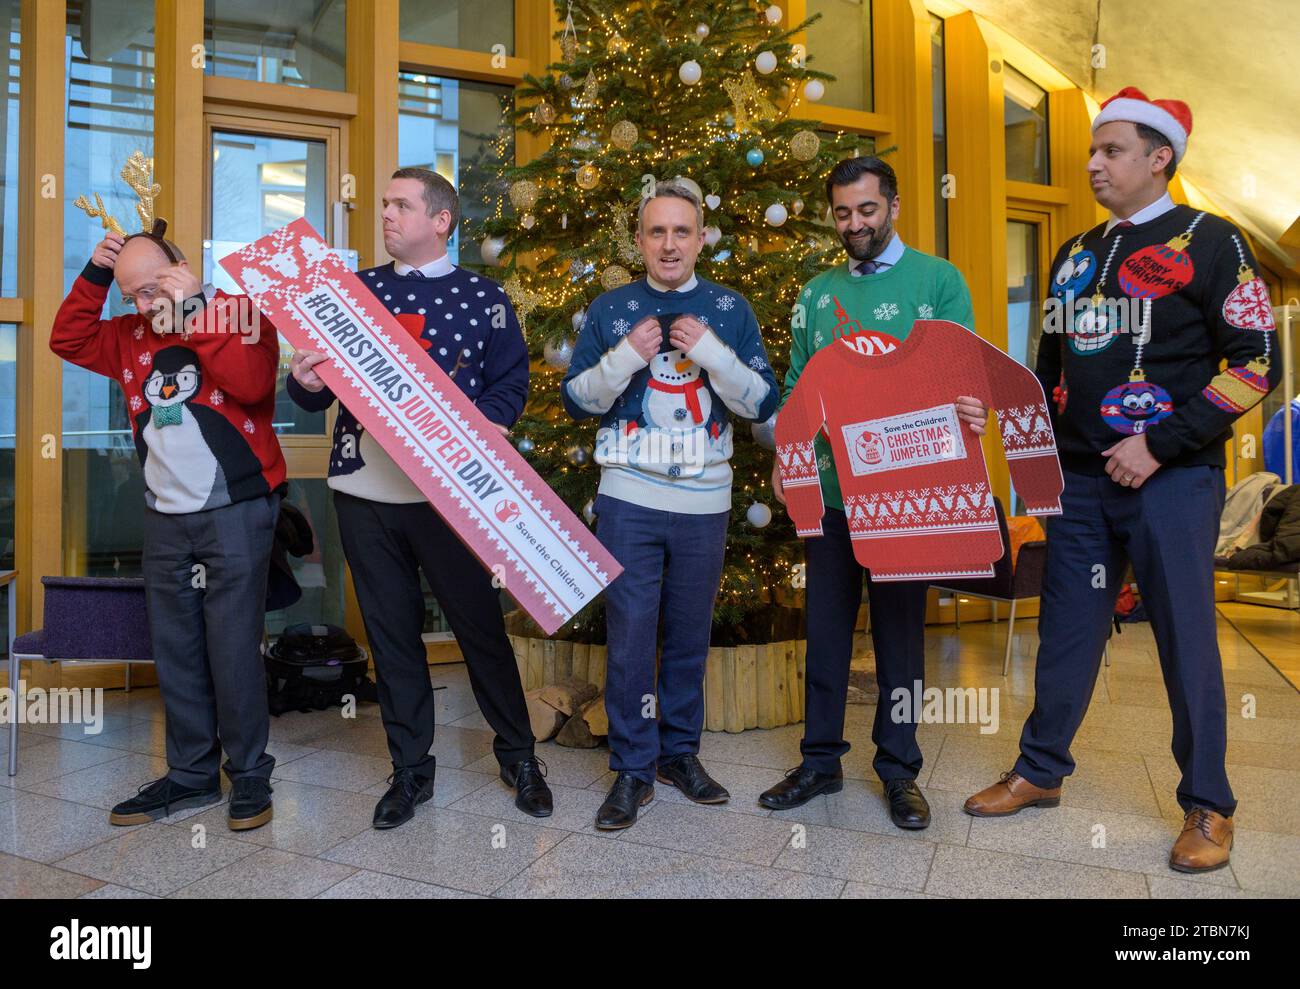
{"x":1074,"y":275}
{"x":754,"y":156}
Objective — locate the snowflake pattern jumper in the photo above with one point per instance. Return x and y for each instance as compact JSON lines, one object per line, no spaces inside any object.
{"x":915,"y":485}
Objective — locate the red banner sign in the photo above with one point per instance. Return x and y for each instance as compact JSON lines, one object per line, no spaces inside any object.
{"x":546,"y":558}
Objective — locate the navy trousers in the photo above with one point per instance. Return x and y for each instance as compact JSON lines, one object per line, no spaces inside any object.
{"x":1167,"y":529}
{"x":673,"y":561}
{"x":834,"y":585}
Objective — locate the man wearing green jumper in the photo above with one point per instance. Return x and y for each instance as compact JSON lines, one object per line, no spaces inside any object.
{"x":870,"y":304}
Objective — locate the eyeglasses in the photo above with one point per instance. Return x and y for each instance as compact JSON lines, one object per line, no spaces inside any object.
{"x":146,"y":295}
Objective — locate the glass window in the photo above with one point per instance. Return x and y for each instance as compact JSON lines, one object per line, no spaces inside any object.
{"x":1025,"y":127}
{"x":109,"y":55}
{"x":459,"y":130}
{"x":291,"y":42}
{"x":839,"y":42}
{"x":9,"y":72}
{"x":940,"y":114}
{"x":321,"y":573}
{"x":8,"y":431}
{"x":259,"y":183}
{"x":475,"y":25}
{"x":1024,"y":314}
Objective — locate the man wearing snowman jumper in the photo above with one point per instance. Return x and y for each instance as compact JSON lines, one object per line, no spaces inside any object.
{"x":661,"y":361}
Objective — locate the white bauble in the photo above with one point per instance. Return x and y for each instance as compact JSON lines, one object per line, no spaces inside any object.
{"x":814,"y":90}
{"x":775,"y":214}
{"x":690,"y":72}
{"x":773,"y":14}
{"x":558,"y":353}
{"x":712,"y":235}
{"x":577,"y":318}
{"x":701,"y":30}
{"x":765,"y":62}
{"x":758,"y":515}
{"x":490,"y":250}
{"x":589,"y":511}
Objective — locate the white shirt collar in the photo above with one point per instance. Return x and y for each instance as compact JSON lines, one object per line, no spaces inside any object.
{"x":686,"y":286}
{"x":1160,"y":207}
{"x":887,"y":258}
{"x":434,"y":269}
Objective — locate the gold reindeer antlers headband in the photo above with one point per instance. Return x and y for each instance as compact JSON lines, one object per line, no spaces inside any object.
{"x":138,"y":174}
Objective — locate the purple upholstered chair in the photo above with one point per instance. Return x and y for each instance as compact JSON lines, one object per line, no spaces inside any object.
{"x":87,"y":619}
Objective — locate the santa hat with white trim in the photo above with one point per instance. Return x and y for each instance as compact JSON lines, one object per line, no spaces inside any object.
{"x":1172,"y":118}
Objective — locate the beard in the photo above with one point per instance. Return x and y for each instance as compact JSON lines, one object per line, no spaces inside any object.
{"x":873,"y":245}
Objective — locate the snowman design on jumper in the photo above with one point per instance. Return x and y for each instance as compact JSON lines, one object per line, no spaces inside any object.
{"x":676,"y":396}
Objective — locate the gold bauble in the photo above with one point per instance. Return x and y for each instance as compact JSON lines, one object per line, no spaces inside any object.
{"x":543,"y":114}
{"x":623,"y":134}
{"x":805,"y":145}
{"x":615,"y":276}
{"x":569,"y":47}
{"x":588,"y":177}
{"x":523,"y":194}
{"x":590,"y":88}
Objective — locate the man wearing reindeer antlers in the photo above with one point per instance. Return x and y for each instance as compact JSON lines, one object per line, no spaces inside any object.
{"x":200,"y":387}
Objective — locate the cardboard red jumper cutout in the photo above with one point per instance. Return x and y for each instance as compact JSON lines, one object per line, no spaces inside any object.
{"x":915,"y":485}
{"x":548,"y":560}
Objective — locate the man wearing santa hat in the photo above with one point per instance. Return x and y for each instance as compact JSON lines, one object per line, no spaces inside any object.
{"x":1151,"y":302}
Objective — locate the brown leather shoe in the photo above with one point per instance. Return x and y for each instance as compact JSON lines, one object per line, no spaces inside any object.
{"x":1008,"y":795}
{"x":1204,"y":844}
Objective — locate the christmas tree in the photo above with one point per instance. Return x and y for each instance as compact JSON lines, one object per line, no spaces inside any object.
{"x":646,"y":90}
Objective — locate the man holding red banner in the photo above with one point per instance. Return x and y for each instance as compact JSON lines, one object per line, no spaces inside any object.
{"x":389,"y":530}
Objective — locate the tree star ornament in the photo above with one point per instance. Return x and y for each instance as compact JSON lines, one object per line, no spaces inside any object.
{"x":744,"y":93}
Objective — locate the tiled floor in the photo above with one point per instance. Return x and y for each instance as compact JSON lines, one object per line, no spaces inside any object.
{"x":1109,"y":838}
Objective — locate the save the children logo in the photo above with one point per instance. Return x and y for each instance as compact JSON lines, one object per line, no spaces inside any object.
{"x":908,"y":440}
{"x":507,"y":510}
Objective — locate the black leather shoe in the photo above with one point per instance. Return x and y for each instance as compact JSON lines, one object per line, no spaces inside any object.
{"x":532,"y":795}
{"x":626,"y":795}
{"x":250,"y":803}
{"x":161,"y":798}
{"x":800,"y":785}
{"x":907,"y":806}
{"x":407,"y":790}
{"x":687,"y":774}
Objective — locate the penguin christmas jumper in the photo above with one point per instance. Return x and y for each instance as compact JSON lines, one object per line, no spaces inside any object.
{"x":665,"y":438}
{"x":913,"y":478}
{"x":201,"y":404}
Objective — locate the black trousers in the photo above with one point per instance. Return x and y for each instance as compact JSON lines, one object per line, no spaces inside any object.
{"x":834,"y":585}
{"x":386,"y":547}
{"x":205,"y":591}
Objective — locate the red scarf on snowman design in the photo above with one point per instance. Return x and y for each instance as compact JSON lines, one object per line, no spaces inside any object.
{"x":690,"y":390}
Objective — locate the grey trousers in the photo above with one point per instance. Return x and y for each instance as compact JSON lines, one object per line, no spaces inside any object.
{"x":205,"y":590}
